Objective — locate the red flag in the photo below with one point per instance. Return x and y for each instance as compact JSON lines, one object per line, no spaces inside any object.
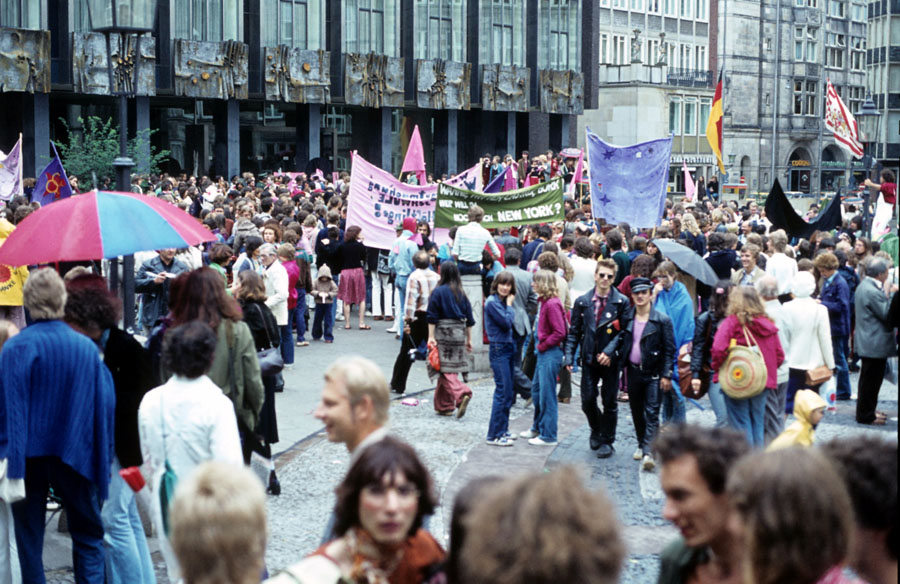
{"x":714,"y":125}
{"x":415,"y":156}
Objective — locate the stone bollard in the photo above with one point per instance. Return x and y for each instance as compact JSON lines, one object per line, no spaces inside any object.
{"x":478,"y":359}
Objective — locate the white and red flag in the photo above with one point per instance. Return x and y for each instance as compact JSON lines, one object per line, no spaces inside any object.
{"x":839,"y":120}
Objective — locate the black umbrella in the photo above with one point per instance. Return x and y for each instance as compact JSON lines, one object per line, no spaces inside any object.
{"x":687,"y":260}
{"x":320,"y":163}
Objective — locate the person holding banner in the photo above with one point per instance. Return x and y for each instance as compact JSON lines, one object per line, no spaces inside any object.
{"x":470,"y":241}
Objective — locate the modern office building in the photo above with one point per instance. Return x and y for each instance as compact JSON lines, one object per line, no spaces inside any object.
{"x":777,"y":56}
{"x":234,"y":85}
{"x":657,"y":62}
{"x":883,"y":69}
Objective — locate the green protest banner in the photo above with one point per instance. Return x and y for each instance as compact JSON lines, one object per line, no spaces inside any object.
{"x":535,"y":204}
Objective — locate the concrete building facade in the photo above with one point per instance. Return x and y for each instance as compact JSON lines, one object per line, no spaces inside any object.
{"x":883,"y":69}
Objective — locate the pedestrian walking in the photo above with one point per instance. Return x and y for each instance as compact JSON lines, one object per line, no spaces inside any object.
{"x":499,"y":319}
{"x":551,"y":330}
{"x":152,"y":281}
{"x":304,"y":289}
{"x":671,"y":298}
{"x":419,"y":287}
{"x":287,"y":255}
{"x":450,"y":323}
{"x":324,"y":291}
{"x":525,"y":306}
{"x":834,"y":294}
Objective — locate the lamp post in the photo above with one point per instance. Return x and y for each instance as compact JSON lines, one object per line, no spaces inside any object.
{"x":123,"y":18}
{"x":869,"y":119}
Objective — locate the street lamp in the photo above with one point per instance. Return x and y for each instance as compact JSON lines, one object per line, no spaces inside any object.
{"x":123,"y":18}
{"x":869,"y":119}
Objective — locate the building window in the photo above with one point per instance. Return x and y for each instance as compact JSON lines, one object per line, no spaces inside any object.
{"x":690,"y":116}
{"x":208,"y":20}
{"x":837,"y":8}
{"x":705,"y":106}
{"x":836,"y":47}
{"x":21,"y":14}
{"x":295,"y":23}
{"x":672,"y":54}
{"x":700,"y":62}
{"x":854,"y":97}
{"x":604,"y":3}
{"x":675,"y":115}
{"x":809,"y":3}
{"x":671,"y":7}
{"x":620,"y":54}
{"x":441,"y":29}
{"x":858,"y":12}
{"x":604,"y":48}
{"x":702,"y":9}
{"x":686,"y":59}
{"x":687,"y":8}
{"x":637,"y":5}
{"x":620,"y":4}
{"x":805,"y":44}
{"x":559,"y":39}
{"x":654,"y":6}
{"x":805,"y":97}
{"x":370,"y":26}
{"x":652,"y":50}
{"x":502,"y":32}
{"x":858,"y":54}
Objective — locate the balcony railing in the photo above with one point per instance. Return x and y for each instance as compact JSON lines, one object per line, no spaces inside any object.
{"x":689,"y":77}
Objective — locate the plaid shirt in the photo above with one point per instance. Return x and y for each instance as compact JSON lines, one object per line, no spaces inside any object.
{"x":418,"y":290}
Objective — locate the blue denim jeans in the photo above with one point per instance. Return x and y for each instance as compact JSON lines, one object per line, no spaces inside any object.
{"x":543,"y":391}
{"x":842,"y":377}
{"x":749,"y":416}
{"x":400,"y":284}
{"x":287,"y":339}
{"x":323,"y":322}
{"x":300,"y":315}
{"x":502,"y":356}
{"x":127,"y":555}
{"x":673,"y":411}
{"x":82,"y":503}
{"x":717,"y":402}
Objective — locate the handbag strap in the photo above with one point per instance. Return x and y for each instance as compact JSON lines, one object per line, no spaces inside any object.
{"x":265,"y":324}
{"x":748,"y":336}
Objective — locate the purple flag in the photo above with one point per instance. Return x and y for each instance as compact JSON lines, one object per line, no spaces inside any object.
{"x":496,"y":185}
{"x":52,"y":184}
{"x":628,"y":183}
{"x":11,"y":172}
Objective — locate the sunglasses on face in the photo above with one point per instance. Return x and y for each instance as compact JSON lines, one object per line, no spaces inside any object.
{"x":605,"y":276}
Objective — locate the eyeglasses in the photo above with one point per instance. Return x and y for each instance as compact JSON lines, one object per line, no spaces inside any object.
{"x":605,"y":276}
{"x":405,"y":493}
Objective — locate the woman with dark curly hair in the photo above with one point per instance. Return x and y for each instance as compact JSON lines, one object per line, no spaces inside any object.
{"x":381,"y":505}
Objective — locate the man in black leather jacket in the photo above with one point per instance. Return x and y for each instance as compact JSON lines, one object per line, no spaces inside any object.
{"x":648,"y":361}
{"x":598,"y":319}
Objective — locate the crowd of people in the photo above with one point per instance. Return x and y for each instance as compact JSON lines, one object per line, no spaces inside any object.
{"x":91,"y":411}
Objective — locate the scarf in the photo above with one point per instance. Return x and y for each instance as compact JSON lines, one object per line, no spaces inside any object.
{"x":369,"y":564}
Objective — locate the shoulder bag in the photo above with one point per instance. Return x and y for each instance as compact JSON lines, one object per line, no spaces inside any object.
{"x":270,"y":360}
{"x":743,"y":374}
{"x":686,"y":375}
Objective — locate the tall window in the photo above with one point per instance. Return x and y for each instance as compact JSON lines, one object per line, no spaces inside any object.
{"x":805,"y":44}
{"x":804,"y":97}
{"x":20,"y":14}
{"x":700,"y":62}
{"x":671,"y":7}
{"x":809,"y":3}
{"x":702,"y":9}
{"x":652,"y":51}
{"x":503,"y":32}
{"x":854,"y":97}
{"x":654,"y":6}
{"x":620,"y":4}
{"x":441,"y":29}
{"x":690,"y":116}
{"x":295,"y":23}
{"x":620,"y":54}
{"x":687,"y":8}
{"x":857,"y":53}
{"x":858,"y":12}
{"x":705,"y":106}
{"x":559,"y":39}
{"x":837,"y":8}
{"x":675,"y":115}
{"x":207,"y":20}
{"x":637,"y":5}
{"x":604,"y":3}
{"x":836,"y":47}
{"x":370,"y":26}
{"x":685,"y":58}
{"x":604,"y":48}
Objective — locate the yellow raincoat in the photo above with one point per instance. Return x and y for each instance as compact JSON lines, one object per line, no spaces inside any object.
{"x":11,"y":279}
{"x":801,"y":431}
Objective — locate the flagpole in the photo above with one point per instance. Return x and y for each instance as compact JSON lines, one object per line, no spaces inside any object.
{"x":821,"y":124}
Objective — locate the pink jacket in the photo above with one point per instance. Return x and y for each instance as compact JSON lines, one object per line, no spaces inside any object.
{"x":552,"y":326}
{"x":766,"y":335}
{"x":293,"y":272}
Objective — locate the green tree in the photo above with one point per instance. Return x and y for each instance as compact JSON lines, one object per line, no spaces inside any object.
{"x":93,"y":149}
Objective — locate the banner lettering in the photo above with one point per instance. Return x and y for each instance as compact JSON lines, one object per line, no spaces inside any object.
{"x":540,"y":203}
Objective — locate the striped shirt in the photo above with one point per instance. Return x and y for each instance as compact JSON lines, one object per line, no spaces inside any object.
{"x":470,"y":241}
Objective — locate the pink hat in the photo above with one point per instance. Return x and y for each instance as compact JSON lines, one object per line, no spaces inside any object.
{"x":409,"y":224}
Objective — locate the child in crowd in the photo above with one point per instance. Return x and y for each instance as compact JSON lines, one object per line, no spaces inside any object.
{"x":324,"y":291}
{"x":809,"y":409}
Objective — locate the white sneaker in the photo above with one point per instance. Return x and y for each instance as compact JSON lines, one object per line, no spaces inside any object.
{"x":392,"y":330}
{"x":648,"y":464}
{"x":339,"y":318}
{"x":502,"y":441}
{"x":538,"y":441}
{"x":510,"y":436}
{"x":528,"y":434}
{"x":638,"y":454}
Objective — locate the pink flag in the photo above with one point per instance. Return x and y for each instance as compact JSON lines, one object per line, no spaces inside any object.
{"x":511,"y":181}
{"x":318,"y":174}
{"x":334,"y":177}
{"x":415,"y":156}
{"x":578,"y":174}
{"x":689,"y":188}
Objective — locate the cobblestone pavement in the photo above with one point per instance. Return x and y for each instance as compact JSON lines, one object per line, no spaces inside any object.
{"x":309,"y":467}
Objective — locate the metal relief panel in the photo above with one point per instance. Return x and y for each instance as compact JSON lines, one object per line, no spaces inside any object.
{"x":443,"y":84}
{"x":562,"y":92}
{"x":90,"y":73}
{"x":24,"y":60}
{"x":216,"y":70}
{"x":373,"y":80}
{"x":505,"y":88}
{"x":297,"y":75}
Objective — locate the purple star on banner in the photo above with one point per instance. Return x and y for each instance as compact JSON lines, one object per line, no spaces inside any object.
{"x":608,"y":154}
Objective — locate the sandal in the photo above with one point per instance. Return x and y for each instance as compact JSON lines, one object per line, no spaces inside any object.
{"x":365,"y":327}
{"x":879,"y":421}
{"x":347,"y":327}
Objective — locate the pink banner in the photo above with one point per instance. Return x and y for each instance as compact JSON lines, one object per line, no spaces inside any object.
{"x":378,"y":202}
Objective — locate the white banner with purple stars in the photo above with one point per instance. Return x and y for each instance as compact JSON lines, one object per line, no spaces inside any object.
{"x":628,"y":183}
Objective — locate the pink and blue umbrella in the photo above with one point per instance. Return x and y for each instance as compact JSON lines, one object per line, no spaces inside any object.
{"x":99,"y":225}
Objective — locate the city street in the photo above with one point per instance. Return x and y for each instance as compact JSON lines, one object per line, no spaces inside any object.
{"x":309,"y":467}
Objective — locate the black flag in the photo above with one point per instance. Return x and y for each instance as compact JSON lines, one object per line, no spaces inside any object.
{"x":782,"y":215}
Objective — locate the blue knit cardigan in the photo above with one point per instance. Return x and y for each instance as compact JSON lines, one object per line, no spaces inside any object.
{"x":56,"y":399}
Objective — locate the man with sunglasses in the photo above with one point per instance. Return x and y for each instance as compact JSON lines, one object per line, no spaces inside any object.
{"x":598,"y":319}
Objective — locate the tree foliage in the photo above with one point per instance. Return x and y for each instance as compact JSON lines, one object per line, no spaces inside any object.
{"x":93,"y":149}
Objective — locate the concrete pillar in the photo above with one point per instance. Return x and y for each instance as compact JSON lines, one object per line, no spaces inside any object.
{"x":511,"y":133}
{"x":309,"y":122}
{"x":380,"y":139}
{"x":35,"y":134}
{"x":228,"y":143}
{"x":478,"y":358}
{"x":446,"y":143}
{"x":142,"y":124}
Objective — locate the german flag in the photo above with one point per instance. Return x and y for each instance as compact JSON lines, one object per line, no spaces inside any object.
{"x":714,"y":125}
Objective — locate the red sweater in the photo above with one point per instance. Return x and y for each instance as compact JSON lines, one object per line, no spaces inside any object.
{"x":552,"y":327}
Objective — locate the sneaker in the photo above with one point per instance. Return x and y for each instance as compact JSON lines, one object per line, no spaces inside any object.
{"x":648,"y":464}
{"x":638,"y":454}
{"x":605,"y":451}
{"x":509,"y":436}
{"x":538,"y":441}
{"x":339,"y":318}
{"x":529,"y":434}
{"x":463,"y":404}
{"x":288,"y":366}
{"x":392,"y":329}
{"x":528,"y":403}
{"x":501,"y":441}
{"x":302,"y":343}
